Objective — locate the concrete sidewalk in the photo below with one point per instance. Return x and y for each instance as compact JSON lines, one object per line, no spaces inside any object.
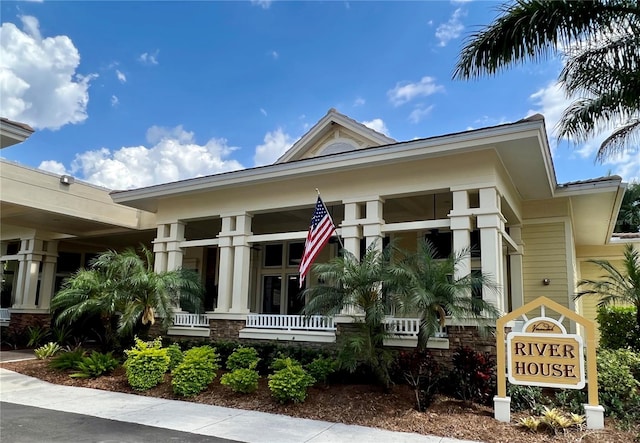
{"x":233,"y":424}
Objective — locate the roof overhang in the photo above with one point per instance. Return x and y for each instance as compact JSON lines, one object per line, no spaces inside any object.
{"x":594,"y":206}
{"x":521,"y":146}
{"x":12,"y":133}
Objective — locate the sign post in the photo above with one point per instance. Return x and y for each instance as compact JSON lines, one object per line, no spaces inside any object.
{"x":544,"y":354}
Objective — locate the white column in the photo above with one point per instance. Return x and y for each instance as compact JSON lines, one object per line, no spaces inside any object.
{"x":491,"y":223}
{"x":225,"y":265}
{"x":160,"y":248}
{"x":461,"y":228}
{"x":30,"y":258}
{"x":48,"y":278}
{"x":19,"y":279}
{"x":372,"y":224}
{"x":174,"y":251}
{"x":515,"y":262}
{"x":350,"y":227}
{"x":241,"y":265}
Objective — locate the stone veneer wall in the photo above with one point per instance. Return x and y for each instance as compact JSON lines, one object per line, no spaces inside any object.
{"x":225,"y":329}
{"x":20,"y":321}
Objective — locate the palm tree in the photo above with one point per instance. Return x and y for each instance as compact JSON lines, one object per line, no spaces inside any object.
{"x":357,"y":286}
{"x":430,"y":289}
{"x":600,"y":41}
{"x":124,"y":285}
{"x":616,"y":286}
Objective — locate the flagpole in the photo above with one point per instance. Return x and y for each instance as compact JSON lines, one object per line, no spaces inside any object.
{"x":325,"y":208}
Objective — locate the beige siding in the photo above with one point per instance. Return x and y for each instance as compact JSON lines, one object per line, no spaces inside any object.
{"x":545,"y":257}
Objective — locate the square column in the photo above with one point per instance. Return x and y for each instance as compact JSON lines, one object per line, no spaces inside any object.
{"x":160,"y":248}
{"x":491,"y":225}
{"x":48,"y":278}
{"x":174,"y":251}
{"x":241,"y":265}
{"x":372,"y":224}
{"x":225,"y":266}
{"x":350,"y":228}
{"x":461,"y":229}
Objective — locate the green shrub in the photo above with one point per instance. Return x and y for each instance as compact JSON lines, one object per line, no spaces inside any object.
{"x":67,"y":360}
{"x":243,"y":358}
{"x":146,"y":364}
{"x":95,"y":365}
{"x":619,"y":390}
{"x":242,"y":380}
{"x":290,"y":383}
{"x":175,"y":355}
{"x":572,"y":400}
{"x":61,"y":334}
{"x":526,"y":398}
{"x":36,"y":335}
{"x":197,"y":370}
{"x":47,"y":351}
{"x":618,"y":327}
{"x":282,"y":362}
{"x":321,"y":368}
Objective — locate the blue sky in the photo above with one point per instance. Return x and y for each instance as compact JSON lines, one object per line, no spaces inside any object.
{"x":129,"y":94}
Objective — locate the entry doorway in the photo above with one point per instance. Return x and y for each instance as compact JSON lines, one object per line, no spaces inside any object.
{"x":279,"y":298}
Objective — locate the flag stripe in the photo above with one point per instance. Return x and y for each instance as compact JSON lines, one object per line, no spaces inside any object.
{"x":320,"y":231}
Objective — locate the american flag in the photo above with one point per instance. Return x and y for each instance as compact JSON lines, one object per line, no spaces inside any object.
{"x":321,"y":229}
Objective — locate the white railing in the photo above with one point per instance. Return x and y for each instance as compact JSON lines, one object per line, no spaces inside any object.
{"x":191,"y":320}
{"x":291,"y":322}
{"x":5,"y":315}
{"x":402,"y":326}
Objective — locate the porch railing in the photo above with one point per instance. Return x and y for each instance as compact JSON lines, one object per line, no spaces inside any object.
{"x":5,"y":315}
{"x":291,"y":322}
{"x":191,"y":320}
{"x":402,"y":326}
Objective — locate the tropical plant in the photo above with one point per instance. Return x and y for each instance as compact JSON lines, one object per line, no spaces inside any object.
{"x":124,"y":284}
{"x":427,"y":285}
{"x":95,"y":365}
{"x":600,"y":42}
{"x":616,"y":286}
{"x":629,"y":214}
{"x":36,"y":335}
{"x":67,"y":360}
{"x":48,"y":350}
{"x":357,"y":286}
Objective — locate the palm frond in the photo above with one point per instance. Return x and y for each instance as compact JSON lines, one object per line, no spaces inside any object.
{"x":620,"y":141}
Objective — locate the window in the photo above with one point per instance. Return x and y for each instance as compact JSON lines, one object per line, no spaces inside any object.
{"x":273,"y":255}
{"x":442,"y":241}
{"x":295,"y":253}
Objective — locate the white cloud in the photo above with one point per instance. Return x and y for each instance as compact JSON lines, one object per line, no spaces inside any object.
{"x":275,"y":55}
{"x":551,"y":101}
{"x":453,"y":28}
{"x":359,"y":101}
{"x":121,"y":77}
{"x":264,"y":4}
{"x":39,"y":84}
{"x":148,"y":58}
{"x":404,"y":92}
{"x":377,"y":124}
{"x":275,"y":144}
{"x":53,"y":166}
{"x":419,"y":113}
{"x":172,"y":155}
{"x":114,"y":101}
{"x":263,"y":112}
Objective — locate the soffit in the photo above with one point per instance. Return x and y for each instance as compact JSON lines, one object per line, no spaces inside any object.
{"x":521,"y":147}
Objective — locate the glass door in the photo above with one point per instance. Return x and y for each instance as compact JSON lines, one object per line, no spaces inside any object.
{"x":271,"y":294}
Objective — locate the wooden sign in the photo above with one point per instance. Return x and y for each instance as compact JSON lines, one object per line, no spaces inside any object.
{"x":548,"y":357}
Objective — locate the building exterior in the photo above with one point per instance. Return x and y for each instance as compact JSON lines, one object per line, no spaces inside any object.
{"x":493,"y":189}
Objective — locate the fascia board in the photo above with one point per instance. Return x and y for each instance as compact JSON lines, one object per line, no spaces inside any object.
{"x":422,"y":148}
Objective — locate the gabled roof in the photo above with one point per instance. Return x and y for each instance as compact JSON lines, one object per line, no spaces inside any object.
{"x":325,"y":126}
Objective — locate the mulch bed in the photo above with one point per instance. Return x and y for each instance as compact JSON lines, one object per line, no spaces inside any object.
{"x":364,"y":405}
